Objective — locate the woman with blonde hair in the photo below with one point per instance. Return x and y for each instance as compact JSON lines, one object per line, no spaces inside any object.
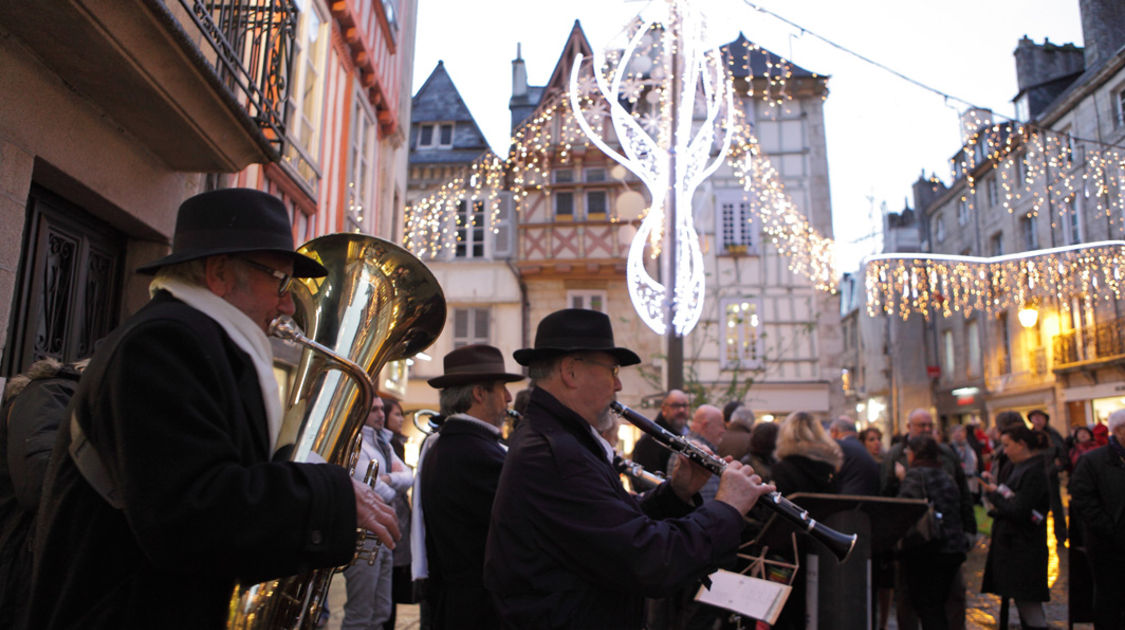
{"x":808,"y":460}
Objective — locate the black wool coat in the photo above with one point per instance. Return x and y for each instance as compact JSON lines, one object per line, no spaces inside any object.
{"x":1017,"y":556}
{"x":458,"y":482}
{"x":569,"y":547}
{"x":175,"y":411}
{"x":1097,"y":499}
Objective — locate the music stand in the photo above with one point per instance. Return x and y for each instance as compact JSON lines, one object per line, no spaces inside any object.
{"x":833,"y":586}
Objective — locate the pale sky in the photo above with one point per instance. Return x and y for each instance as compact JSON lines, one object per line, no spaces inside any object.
{"x":882,"y":130}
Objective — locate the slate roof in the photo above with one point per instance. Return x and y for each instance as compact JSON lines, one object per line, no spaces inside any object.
{"x":439,"y":101}
{"x":745,"y":60}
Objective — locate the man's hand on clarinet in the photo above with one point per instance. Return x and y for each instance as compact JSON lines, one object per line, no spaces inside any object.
{"x":740,"y":488}
{"x":374,"y":515}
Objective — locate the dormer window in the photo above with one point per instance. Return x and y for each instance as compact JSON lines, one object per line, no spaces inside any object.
{"x":435,"y":136}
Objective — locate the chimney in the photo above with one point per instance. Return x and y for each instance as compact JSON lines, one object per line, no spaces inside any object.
{"x":1103,"y":29}
{"x":1041,"y":73}
{"x":519,"y":76}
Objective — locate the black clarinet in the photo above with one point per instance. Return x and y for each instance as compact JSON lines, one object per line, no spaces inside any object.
{"x":839,"y":543}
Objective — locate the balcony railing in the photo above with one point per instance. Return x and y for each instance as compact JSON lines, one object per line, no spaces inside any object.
{"x":252,"y":41}
{"x":1104,"y":340}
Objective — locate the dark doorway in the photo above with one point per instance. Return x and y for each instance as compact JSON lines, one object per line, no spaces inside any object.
{"x":68,"y":288}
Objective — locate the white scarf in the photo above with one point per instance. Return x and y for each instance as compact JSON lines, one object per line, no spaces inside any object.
{"x":245,"y":334}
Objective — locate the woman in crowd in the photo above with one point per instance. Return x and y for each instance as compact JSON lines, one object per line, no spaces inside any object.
{"x":807,"y":462}
{"x":1084,"y":442}
{"x":807,"y":458}
{"x":402,"y":585}
{"x":763,"y":443}
{"x":1017,"y":557}
{"x":882,"y":563}
{"x":872,"y":439}
{"x":931,"y":567}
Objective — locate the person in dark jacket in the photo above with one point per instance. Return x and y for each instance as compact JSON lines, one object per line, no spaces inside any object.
{"x":807,"y":461}
{"x":1056,"y":460}
{"x":1017,"y":557}
{"x":457,"y":479}
{"x":35,"y":405}
{"x":1097,"y":500}
{"x":674,"y":414}
{"x":181,"y":415}
{"x":931,"y":568}
{"x":859,"y":473}
{"x":568,"y":546}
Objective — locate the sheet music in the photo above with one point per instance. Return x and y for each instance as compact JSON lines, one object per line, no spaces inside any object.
{"x":745,"y":595}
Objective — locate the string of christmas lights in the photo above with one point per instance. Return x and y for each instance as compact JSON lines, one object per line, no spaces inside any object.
{"x":929,"y":285}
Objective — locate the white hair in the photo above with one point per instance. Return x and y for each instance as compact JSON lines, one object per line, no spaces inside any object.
{"x":1116,"y":419}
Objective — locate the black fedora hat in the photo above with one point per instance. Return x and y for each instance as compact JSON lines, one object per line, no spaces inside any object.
{"x":230,"y":221}
{"x":575,"y":330}
{"x":476,"y":363}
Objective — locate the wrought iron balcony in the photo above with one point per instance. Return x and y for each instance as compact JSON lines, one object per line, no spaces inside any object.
{"x":200,"y":84}
{"x":1105,"y":341}
{"x":251,"y":43}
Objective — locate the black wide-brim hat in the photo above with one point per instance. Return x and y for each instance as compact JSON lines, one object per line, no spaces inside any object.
{"x":475,"y":363}
{"x":575,"y":330}
{"x":231,"y":221}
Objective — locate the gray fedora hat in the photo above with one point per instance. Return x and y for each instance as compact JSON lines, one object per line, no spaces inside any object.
{"x":231,"y":221}
{"x":575,"y":330}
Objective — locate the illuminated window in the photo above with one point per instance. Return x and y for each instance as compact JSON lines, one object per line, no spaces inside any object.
{"x":948,"y":354}
{"x":741,"y":334}
{"x":470,"y":229}
{"x":972,"y":333}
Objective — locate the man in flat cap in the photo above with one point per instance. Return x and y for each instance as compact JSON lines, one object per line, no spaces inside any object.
{"x":456,"y":482}
{"x":568,"y":547}
{"x":161,"y":492}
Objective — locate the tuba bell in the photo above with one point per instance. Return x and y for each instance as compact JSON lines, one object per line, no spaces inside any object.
{"x":378,"y":303}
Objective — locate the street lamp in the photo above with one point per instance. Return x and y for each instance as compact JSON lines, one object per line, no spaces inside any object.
{"x":1028,"y":316}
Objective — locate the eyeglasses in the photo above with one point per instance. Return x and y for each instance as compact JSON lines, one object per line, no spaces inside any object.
{"x":284,"y":280}
{"x":612,"y":367}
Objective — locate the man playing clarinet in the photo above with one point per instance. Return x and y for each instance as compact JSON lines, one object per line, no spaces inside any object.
{"x":568,"y":547}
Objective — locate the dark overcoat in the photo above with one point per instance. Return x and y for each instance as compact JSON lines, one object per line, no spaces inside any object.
{"x":568,"y":547}
{"x":859,"y":473}
{"x":458,"y":482}
{"x":174,"y":408}
{"x":1017,"y":556}
{"x":1097,"y":499}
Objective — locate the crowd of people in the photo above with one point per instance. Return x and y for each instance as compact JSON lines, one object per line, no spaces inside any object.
{"x":138,"y":490}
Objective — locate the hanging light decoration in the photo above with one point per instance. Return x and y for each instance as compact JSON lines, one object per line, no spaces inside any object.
{"x":665,"y":147}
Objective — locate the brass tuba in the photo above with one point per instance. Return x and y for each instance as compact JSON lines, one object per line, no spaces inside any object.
{"x":378,"y":303}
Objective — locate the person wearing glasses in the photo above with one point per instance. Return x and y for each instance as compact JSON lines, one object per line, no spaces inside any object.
{"x":568,"y":546}
{"x":674,"y":414}
{"x":163,"y":491}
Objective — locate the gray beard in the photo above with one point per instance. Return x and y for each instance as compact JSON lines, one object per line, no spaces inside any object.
{"x":605,"y":420}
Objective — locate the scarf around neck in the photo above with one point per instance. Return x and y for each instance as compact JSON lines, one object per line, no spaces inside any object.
{"x":245,"y":334}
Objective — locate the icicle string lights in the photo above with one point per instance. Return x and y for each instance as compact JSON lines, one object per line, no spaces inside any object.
{"x":904,"y":284}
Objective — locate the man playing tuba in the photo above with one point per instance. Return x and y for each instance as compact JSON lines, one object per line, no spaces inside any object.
{"x":162,"y":492}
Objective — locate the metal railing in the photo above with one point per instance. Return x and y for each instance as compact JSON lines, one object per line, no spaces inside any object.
{"x":252,"y":41}
{"x":1102,"y":341}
